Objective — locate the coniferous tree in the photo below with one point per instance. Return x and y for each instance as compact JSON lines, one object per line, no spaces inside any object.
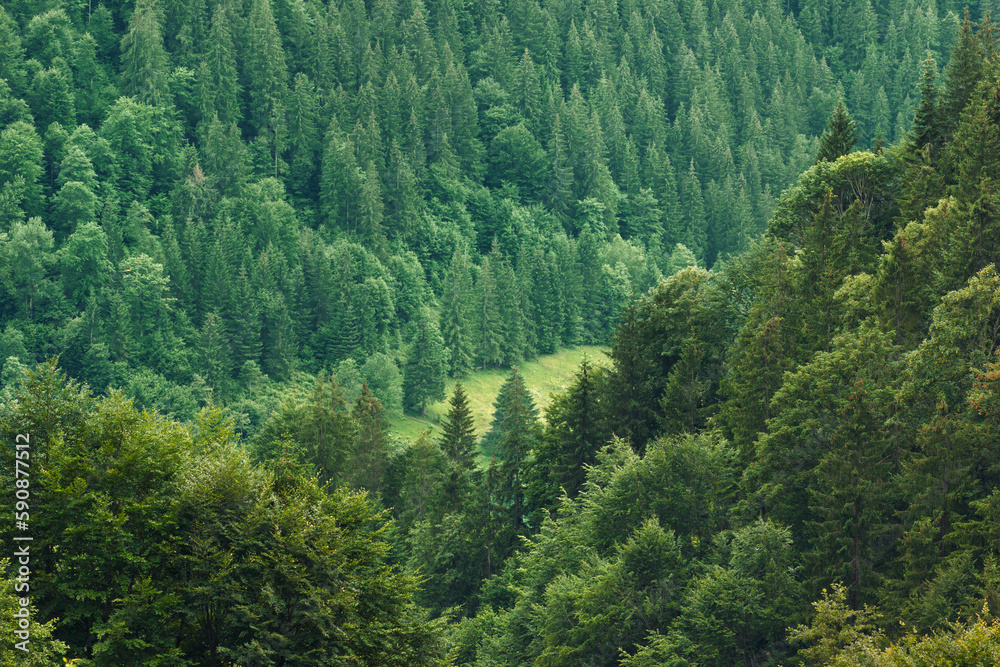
{"x":458,"y":435}
{"x":426,"y":366}
{"x":222,"y":90}
{"x":514,"y":432}
{"x":267,"y":75}
{"x":370,"y":452}
{"x":456,"y":323}
{"x":840,"y":136}
{"x":213,"y":353}
{"x":963,"y":72}
{"x":576,"y":430}
{"x":144,"y":60}
{"x":926,"y":131}
{"x":303,"y":138}
{"x":692,"y":202}
{"x":492,"y":332}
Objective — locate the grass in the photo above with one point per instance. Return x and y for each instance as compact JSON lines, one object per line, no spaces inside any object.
{"x":543,"y":376}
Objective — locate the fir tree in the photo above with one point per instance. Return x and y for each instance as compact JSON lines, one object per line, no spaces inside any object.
{"x":577,"y":429}
{"x":513,"y":433}
{"x":840,"y":136}
{"x":370,"y":450}
{"x":925,"y":134}
{"x":144,"y":60}
{"x":456,"y":323}
{"x":492,"y":335}
{"x":458,"y":439}
{"x":222,"y":91}
{"x":962,"y":73}
{"x":426,"y":363}
{"x":267,"y":71}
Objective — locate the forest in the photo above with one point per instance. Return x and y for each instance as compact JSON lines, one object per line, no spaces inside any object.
{"x":239,"y":238}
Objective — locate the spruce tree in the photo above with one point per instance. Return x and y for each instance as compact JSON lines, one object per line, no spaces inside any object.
{"x":492,"y":334}
{"x":213,"y":355}
{"x":144,"y":61}
{"x":223,"y":79}
{"x":577,"y":429}
{"x":962,"y":73}
{"x":695,"y":232}
{"x":370,"y":451}
{"x":840,"y":136}
{"x":514,"y":432}
{"x":925,"y":134}
{"x":267,"y":71}
{"x":458,"y":439}
{"x":426,"y":363}
{"x":456,"y":324}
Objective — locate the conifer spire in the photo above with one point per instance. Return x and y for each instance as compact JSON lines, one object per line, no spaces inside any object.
{"x":840,"y":137}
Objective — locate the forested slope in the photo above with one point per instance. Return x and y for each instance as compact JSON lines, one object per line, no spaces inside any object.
{"x":284,"y":219}
{"x":197,"y":193}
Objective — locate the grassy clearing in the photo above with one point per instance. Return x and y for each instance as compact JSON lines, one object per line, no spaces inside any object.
{"x":543,"y":376}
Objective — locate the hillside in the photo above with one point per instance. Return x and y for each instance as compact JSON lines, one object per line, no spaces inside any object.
{"x":720,"y":277}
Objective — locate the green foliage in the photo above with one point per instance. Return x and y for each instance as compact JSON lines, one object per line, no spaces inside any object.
{"x":423,"y":375}
{"x":840,"y":136}
{"x":263,"y":191}
{"x":167,"y":545}
{"x":458,"y":437}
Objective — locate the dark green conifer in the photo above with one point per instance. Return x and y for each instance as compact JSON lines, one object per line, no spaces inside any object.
{"x":426,"y":364}
{"x":840,"y":136}
{"x":456,"y":323}
{"x":144,"y":61}
{"x":458,"y":439}
{"x":926,"y":131}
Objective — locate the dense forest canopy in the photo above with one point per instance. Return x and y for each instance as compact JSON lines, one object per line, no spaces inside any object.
{"x":238,"y":238}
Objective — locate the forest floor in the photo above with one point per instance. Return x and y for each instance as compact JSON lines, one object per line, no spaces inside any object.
{"x":542,"y":375}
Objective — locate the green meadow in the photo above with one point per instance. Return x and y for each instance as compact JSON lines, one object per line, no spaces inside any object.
{"x":543,"y":376}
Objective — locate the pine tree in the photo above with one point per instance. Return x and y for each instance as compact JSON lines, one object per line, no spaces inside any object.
{"x":683,"y":406}
{"x":370,"y":210}
{"x":426,"y":364}
{"x":222,"y":85}
{"x":840,"y":136}
{"x":559,"y":194}
{"x":577,"y":429}
{"x":458,"y":435}
{"x":545,"y":298}
{"x":303,"y":138}
{"x":340,"y":185}
{"x":278,"y":337}
{"x":692,"y":202}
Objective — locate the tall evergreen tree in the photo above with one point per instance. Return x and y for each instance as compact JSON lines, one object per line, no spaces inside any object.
{"x":267,"y":72}
{"x":456,"y":322}
{"x":576,"y":429}
{"x":513,"y":433}
{"x":492,"y":332}
{"x":426,"y":365}
{"x":369,"y":455}
{"x":925,"y":134}
{"x":222,"y":87}
{"x":840,"y":136}
{"x":458,"y":435}
{"x":144,"y":60}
